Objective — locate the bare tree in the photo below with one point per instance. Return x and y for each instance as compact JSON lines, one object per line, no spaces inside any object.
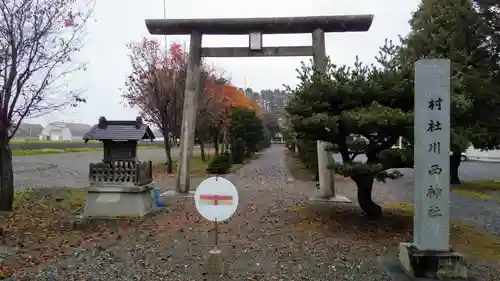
{"x":37,"y":41}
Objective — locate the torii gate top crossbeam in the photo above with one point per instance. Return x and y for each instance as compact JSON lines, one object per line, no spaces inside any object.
{"x":241,"y":26}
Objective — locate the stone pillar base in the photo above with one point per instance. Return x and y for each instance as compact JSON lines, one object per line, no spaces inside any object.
{"x":435,"y":265}
{"x":215,"y":263}
{"x":115,"y":201}
{"x":319,"y":197}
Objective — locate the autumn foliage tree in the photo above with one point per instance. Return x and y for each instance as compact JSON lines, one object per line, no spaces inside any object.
{"x":156,"y":87}
{"x":37,"y":42}
{"x":225,"y":98}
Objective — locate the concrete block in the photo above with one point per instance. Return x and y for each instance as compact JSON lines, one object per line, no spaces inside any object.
{"x":114,"y":201}
{"x":318,"y":197}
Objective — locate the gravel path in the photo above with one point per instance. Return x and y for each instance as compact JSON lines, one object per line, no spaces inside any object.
{"x":66,"y":169}
{"x":265,"y":240}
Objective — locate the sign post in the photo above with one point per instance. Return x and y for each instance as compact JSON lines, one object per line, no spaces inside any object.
{"x":430,"y":254}
{"x":216,"y":200}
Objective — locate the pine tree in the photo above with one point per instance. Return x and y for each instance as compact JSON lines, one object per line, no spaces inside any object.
{"x":453,"y":29}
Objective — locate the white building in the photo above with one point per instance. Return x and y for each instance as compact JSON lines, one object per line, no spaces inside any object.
{"x":61,"y":131}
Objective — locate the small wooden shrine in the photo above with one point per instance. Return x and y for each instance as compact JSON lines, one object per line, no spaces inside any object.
{"x":120,"y":163}
{"x":120,"y":185}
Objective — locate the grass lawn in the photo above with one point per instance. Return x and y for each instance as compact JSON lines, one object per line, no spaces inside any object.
{"x":397,"y":223}
{"x":27,"y":152}
{"x":479,"y":189}
{"x":198,"y":167}
{"x":394,"y":227}
{"x":40,"y":228}
{"x":27,"y":141}
{"x":466,"y":239}
{"x":300,"y":172}
{"x":297,"y":168}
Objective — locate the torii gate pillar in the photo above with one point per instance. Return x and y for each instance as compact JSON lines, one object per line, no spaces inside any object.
{"x":254,"y":27}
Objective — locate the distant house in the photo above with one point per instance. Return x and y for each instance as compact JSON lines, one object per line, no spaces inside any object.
{"x":62,"y":131}
{"x":28,"y":131}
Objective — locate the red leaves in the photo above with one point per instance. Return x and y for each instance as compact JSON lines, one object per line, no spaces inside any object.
{"x":70,"y":20}
{"x":177,"y":57}
{"x":157,"y":83}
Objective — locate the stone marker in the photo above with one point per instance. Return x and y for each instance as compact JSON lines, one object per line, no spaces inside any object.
{"x":216,"y":200}
{"x":430,"y":254}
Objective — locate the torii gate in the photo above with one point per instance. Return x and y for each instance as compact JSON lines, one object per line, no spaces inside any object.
{"x":254,"y":27}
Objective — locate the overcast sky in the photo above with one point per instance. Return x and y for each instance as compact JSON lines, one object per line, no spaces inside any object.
{"x":117,"y":22}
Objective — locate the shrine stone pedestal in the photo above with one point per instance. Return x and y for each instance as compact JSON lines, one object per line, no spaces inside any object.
{"x":432,"y":264}
{"x":120,"y":185}
{"x":113,"y":200}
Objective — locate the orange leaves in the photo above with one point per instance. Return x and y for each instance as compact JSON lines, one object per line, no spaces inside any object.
{"x":219,"y":99}
{"x":236,"y":98}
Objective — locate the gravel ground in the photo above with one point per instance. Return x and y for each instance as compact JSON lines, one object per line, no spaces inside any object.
{"x":276,"y":234}
{"x":66,"y":169}
{"x":265,"y":240}
{"x":71,"y":170}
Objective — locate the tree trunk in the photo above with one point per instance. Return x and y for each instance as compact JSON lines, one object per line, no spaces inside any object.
{"x":168,"y":154}
{"x":6,"y":174}
{"x":202,"y":151}
{"x":455,"y":160}
{"x":216,"y":144}
{"x":365,"y":186}
{"x":226,"y":141}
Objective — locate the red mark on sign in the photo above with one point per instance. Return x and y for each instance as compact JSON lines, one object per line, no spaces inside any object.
{"x":206,"y":199}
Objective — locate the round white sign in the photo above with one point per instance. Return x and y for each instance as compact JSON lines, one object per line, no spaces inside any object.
{"x":216,"y":199}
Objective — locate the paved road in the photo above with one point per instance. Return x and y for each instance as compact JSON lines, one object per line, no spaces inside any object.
{"x":66,"y":145}
{"x":71,"y":169}
{"x":469,"y":170}
{"x":66,"y":169}
{"x":483,"y":214}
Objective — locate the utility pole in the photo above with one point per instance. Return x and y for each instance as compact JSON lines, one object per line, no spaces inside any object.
{"x":165,"y":17}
